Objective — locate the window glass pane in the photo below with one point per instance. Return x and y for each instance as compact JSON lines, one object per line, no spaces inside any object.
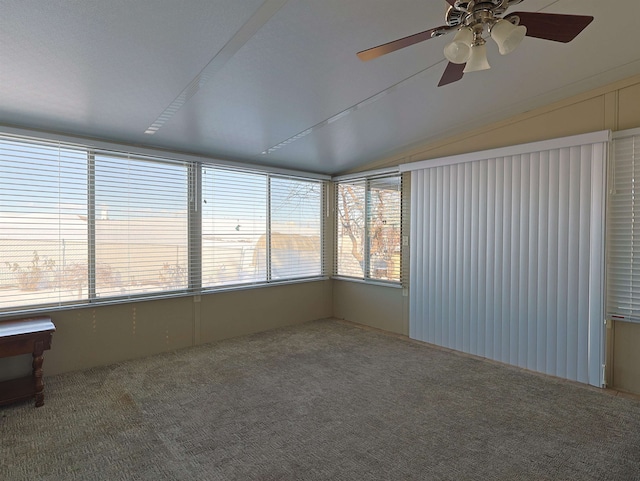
{"x":43,"y":219}
{"x":140,"y":226}
{"x":384,"y":228}
{"x":234,"y":227}
{"x":350,"y":229}
{"x":295,"y":228}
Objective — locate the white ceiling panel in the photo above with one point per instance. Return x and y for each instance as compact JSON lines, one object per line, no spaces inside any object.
{"x":106,"y":68}
{"x":236,"y":78}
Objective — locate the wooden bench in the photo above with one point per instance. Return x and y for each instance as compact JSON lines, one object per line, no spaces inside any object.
{"x":25,"y":336}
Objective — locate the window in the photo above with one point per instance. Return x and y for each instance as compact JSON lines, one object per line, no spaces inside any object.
{"x":623,"y":232}
{"x":80,"y":226}
{"x":141,"y":238}
{"x":43,"y":219}
{"x":368,"y":228}
{"x":296,"y":231}
{"x":259,"y":227}
{"x":234,"y":222}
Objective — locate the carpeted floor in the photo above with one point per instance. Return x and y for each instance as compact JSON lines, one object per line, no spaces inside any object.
{"x":321,"y":401}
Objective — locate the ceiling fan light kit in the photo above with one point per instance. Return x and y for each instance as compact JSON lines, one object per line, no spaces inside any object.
{"x":507,"y":35}
{"x":459,"y":50}
{"x":478,"y":60}
{"x":471,"y":19}
{"x":469,"y":45}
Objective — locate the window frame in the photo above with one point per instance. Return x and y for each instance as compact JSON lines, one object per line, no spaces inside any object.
{"x":367,"y":180}
{"x":193,"y":220}
{"x":621,"y":283}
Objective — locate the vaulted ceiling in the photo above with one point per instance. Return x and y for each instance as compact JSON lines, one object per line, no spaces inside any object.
{"x":277,"y":82}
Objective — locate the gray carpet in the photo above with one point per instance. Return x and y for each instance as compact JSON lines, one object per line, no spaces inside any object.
{"x":322,"y":401}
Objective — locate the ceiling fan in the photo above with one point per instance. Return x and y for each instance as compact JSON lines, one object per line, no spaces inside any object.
{"x":471,"y":18}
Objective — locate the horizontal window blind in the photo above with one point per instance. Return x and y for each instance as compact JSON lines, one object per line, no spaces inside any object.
{"x":80,"y":225}
{"x":384,"y":227}
{"x":350,"y":228}
{"x":259,"y":228}
{"x":43,"y":224}
{"x":141,"y":237}
{"x":368,"y":228}
{"x":623,"y":231}
{"x":234,"y":224}
{"x":296,"y":229}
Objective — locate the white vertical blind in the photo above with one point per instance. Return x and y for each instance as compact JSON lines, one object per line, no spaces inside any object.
{"x":623,"y":230}
{"x":507,"y":258}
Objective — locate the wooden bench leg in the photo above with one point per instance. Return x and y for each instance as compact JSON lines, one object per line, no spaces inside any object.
{"x":38,"y":358}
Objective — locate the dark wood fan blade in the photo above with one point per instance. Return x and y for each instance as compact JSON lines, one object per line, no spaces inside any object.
{"x":452,"y":73}
{"x":450,"y":2}
{"x":553,"y":26}
{"x":385,"y":48}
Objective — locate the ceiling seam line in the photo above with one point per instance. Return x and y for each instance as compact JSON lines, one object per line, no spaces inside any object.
{"x":239,"y":39}
{"x":343,"y":113}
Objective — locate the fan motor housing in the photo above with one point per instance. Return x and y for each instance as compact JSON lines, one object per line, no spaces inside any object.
{"x":463,"y":11}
